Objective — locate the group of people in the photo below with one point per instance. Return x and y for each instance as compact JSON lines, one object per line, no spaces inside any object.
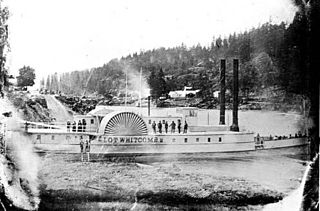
{"x":84,"y":148}
{"x":296,"y":135}
{"x":74,"y":127}
{"x":172,"y":126}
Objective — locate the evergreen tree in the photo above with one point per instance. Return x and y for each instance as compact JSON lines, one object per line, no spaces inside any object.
{"x":247,"y":78}
{"x":299,"y":62}
{"x":48,"y":83}
{"x":157,"y":84}
{"x":54,"y":83}
{"x":42,"y":83}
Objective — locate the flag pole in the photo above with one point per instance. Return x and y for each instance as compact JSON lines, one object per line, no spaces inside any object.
{"x":125,"y":100}
{"x":140,"y":89}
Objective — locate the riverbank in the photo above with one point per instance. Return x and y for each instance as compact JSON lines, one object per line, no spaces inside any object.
{"x":171,"y":182}
{"x":269,"y":99}
{"x":32,"y":108}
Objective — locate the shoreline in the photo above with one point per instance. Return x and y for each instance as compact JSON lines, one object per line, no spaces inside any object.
{"x":67,"y":182}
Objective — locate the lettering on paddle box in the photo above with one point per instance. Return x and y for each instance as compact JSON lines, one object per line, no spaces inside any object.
{"x":130,"y":139}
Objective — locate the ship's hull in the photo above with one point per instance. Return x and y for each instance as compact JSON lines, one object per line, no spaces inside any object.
{"x":283,"y":143}
{"x":69,"y":142}
{"x":149,"y":144}
{"x":148,"y":149}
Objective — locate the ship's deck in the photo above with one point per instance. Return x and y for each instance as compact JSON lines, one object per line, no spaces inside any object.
{"x":202,"y":133}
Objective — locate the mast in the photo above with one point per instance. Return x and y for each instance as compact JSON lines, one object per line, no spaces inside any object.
{"x":125,"y":100}
{"x":149,"y":105}
{"x":140,"y":88}
{"x":87,"y":82}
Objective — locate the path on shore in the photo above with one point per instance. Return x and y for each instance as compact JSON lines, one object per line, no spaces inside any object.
{"x":58,"y":110}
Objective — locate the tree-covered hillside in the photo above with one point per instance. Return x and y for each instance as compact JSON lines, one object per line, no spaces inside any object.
{"x":196,"y":66}
{"x":269,"y":58}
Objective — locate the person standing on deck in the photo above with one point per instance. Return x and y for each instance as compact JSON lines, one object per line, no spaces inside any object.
{"x":154,"y":126}
{"x":74,"y":126}
{"x":166,"y":126}
{"x":179,"y":125}
{"x":160,"y":127}
{"x":185,"y":128}
{"x":84,"y":124}
{"x":259,"y":140}
{"x":88,"y":150}
{"x":81,"y":148}
{"x":26,"y":126}
{"x":79,"y":126}
{"x":68,"y":125}
{"x":173,"y":127}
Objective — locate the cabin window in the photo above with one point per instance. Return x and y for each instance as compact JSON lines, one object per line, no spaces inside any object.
{"x":92,"y":121}
{"x":197,"y":139}
{"x":52,"y":137}
{"x":185,"y":140}
{"x":209,"y":139}
{"x":149,"y":121}
{"x":161,"y":140}
{"x":38,"y":137}
{"x":173,"y":140}
{"x":192,"y":113}
{"x":220,"y":139}
{"x":68,"y":137}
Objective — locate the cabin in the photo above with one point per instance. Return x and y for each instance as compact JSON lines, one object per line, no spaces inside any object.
{"x":183,"y":93}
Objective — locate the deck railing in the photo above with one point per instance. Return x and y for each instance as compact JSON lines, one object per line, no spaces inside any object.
{"x":261,"y":139}
{"x":62,"y":127}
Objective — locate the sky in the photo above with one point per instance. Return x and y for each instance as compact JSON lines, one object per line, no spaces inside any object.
{"x":66,"y":35}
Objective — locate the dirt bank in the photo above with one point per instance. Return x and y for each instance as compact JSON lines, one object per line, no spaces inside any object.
{"x":57,"y":110}
{"x":65,"y":180}
{"x":32,"y":108}
{"x":39,"y":108}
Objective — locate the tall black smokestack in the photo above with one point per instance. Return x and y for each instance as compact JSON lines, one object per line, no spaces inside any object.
{"x":235,"y":126}
{"x":222,"y":91}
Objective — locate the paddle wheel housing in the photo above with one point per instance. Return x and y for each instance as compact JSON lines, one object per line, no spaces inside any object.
{"x":123,"y":123}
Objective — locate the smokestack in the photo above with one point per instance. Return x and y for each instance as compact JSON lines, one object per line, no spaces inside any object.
{"x":234,"y":126}
{"x":222,"y":91}
{"x":148,"y":105}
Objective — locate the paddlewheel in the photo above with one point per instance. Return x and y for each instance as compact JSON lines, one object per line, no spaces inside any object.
{"x":124,"y":123}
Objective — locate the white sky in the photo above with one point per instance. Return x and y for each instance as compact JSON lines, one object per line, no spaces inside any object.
{"x":66,"y":35}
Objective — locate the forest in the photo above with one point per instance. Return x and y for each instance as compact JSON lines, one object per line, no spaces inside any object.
{"x":272,"y":60}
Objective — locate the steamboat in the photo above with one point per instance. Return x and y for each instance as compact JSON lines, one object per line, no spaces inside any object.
{"x":110,"y":131}
{"x":128,"y":132}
